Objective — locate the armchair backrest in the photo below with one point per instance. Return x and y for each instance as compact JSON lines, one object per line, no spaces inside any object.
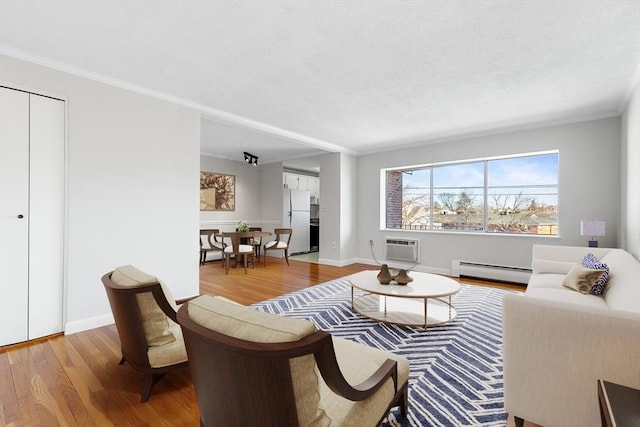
{"x":262,"y":363}
{"x":142,"y":309}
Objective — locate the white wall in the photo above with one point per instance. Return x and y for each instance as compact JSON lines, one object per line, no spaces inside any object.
{"x":248,"y":204}
{"x":589,"y":181}
{"x":630,"y":167}
{"x":132,"y":187}
{"x":348,"y":208}
{"x":330,"y":215}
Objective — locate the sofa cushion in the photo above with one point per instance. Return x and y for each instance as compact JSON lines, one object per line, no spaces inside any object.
{"x":566,"y":295}
{"x":582,"y":279}
{"x":590,"y":261}
{"x":238,"y":321}
{"x":155,"y":323}
{"x":547,"y":280}
{"x":550,"y":266}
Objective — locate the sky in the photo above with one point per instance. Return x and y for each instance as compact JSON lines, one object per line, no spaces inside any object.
{"x":535,"y":173}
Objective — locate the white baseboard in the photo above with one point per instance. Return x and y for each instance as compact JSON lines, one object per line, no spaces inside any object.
{"x":337,"y":262}
{"x":89,"y":323}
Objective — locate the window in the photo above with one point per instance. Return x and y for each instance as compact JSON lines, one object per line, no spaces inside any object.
{"x":517,"y":195}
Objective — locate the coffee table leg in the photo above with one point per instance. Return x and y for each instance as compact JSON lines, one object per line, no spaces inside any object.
{"x":352,"y":307}
{"x":426,"y":304}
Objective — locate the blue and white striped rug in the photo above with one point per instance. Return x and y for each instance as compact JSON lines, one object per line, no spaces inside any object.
{"x":456,"y":369}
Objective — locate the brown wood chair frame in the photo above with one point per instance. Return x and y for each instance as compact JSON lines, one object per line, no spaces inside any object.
{"x":279,"y":232}
{"x":245,"y":383}
{"x":128,"y":319}
{"x":236,"y":241}
{"x":212,"y":240}
{"x":257,"y":242}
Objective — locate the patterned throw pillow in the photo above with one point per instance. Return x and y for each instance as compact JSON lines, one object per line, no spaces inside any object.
{"x":590,"y":261}
{"x":582,"y":279}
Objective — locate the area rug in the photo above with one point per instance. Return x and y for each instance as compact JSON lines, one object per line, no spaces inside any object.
{"x":455,"y":369}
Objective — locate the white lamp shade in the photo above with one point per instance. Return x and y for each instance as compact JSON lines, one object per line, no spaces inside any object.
{"x":592,"y":228}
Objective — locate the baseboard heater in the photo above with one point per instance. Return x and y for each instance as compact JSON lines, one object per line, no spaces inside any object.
{"x":500,"y":273}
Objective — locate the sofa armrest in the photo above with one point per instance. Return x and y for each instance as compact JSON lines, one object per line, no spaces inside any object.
{"x":554,"y":353}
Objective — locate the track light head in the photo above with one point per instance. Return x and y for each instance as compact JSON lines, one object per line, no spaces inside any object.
{"x":250,"y":159}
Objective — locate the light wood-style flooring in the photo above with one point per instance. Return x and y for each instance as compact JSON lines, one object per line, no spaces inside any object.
{"x":75,"y":380}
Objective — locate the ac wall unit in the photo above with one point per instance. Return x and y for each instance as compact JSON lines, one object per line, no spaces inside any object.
{"x":402,"y":249}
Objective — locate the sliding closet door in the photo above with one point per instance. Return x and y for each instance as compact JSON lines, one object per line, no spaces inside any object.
{"x":14,"y":213}
{"x":31,"y":215}
{"x":46,"y":215}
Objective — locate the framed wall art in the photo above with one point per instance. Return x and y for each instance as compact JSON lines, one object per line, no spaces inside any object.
{"x":217,"y":192}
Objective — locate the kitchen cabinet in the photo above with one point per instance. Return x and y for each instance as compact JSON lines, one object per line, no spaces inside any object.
{"x":313,"y":186}
{"x":294,"y":181}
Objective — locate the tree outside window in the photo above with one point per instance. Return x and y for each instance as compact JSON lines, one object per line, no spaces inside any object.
{"x":520,"y":194}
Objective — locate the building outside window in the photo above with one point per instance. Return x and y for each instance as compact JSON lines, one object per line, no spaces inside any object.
{"x":514,"y":195}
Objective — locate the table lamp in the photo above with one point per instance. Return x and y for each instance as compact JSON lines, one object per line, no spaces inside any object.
{"x":592,"y":228}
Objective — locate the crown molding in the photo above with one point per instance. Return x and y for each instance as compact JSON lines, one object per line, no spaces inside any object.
{"x":207,"y":112}
{"x":633,"y":85}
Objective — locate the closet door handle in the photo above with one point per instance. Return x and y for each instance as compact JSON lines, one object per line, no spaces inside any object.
{"x":20,"y":216}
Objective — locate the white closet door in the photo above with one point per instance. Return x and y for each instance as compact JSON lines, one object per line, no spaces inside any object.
{"x":14,"y":202}
{"x":46,"y":215}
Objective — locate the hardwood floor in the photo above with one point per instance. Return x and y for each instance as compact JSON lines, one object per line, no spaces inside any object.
{"x":75,"y":380}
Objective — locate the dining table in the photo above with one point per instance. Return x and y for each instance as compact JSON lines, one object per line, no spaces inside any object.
{"x":243,"y":236}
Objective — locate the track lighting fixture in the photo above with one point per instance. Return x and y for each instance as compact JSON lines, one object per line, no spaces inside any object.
{"x":250,"y":159}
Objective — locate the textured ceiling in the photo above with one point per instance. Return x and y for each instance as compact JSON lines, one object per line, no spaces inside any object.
{"x":288,"y":79}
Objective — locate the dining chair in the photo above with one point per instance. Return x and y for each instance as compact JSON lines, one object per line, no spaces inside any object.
{"x":281,"y":243}
{"x":237,"y":249}
{"x":256,"y":242}
{"x":209,"y":243}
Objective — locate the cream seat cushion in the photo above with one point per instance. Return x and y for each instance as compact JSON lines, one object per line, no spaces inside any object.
{"x":272,"y":245}
{"x":358,"y":362}
{"x":241,"y":249}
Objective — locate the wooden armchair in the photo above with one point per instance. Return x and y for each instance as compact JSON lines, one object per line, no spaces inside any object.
{"x":252,"y":368}
{"x":145,"y":315}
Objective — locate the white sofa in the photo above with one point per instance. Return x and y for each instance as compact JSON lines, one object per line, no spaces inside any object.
{"x":558,"y":342}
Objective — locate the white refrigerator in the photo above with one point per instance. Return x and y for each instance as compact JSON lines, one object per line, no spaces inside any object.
{"x":296,"y":209}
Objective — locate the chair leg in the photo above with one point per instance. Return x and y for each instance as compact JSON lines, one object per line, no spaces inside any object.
{"x":286,"y":255}
{"x":227,"y":261}
{"x":244,"y":261}
{"x":518,"y":421}
{"x":149,"y":381}
{"x":404,"y":402}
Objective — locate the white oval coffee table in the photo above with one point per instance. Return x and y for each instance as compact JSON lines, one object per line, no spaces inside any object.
{"x":426,"y":301}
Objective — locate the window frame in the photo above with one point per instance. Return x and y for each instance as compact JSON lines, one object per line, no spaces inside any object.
{"x":384,"y":208}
